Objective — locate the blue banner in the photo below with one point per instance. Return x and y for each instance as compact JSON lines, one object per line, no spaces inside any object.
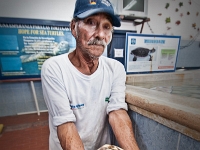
{"x":24,"y":48}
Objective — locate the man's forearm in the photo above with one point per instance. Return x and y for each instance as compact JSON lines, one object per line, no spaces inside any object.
{"x":69,"y":137}
{"x":122,"y":128}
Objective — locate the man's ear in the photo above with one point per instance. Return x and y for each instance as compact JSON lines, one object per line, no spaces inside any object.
{"x":73,"y":28}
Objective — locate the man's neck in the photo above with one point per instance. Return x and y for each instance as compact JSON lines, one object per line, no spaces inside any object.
{"x":85,"y":65}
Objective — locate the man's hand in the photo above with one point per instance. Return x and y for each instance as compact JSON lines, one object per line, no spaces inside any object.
{"x":69,"y":137}
{"x":123,"y":130}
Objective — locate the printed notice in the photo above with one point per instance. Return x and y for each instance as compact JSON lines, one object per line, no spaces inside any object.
{"x":118,"y":52}
{"x":147,"y":53}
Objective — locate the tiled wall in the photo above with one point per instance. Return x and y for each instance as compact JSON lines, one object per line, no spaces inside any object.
{"x":189,"y":56}
{"x":152,"y":135}
{"x":17,"y":97}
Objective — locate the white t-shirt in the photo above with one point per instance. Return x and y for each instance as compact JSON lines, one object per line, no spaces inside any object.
{"x":72,"y":96}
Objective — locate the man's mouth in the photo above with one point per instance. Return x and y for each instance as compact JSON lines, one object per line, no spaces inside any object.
{"x":97,"y":42}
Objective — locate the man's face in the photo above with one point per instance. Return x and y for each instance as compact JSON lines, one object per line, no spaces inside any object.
{"x":93,"y":34}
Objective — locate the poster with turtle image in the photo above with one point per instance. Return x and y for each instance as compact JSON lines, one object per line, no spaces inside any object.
{"x":147,"y":53}
{"x":24,"y":48}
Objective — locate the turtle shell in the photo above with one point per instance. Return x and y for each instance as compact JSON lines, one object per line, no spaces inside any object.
{"x":142,"y":52}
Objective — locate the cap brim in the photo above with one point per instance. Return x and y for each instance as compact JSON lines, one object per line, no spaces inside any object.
{"x":115,"y":19}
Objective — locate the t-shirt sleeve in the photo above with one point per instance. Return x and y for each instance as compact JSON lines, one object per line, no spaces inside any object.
{"x":117,"y":97}
{"x":55,"y":94}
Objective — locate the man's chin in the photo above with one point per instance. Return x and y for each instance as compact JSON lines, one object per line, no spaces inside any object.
{"x":96,"y":53}
{"x":94,"y":57}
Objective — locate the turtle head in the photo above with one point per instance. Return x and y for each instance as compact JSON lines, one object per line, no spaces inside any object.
{"x":132,"y":52}
{"x":153,"y":50}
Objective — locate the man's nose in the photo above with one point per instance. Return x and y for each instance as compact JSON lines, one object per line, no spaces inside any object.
{"x":100,"y":33}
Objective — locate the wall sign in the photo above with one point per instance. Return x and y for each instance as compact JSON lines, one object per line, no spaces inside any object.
{"x":25,"y":47}
{"x":151,"y":53}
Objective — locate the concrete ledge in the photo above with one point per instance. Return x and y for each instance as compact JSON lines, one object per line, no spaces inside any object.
{"x":178,"y":109}
{"x":180,"y":75}
{"x":177,"y":112}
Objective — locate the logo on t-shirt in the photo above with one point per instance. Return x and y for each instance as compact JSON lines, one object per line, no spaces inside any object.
{"x":107,"y":99}
{"x":78,"y":106}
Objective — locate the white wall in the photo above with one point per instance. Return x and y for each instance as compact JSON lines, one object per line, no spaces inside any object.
{"x":62,"y":10}
{"x":185,"y":29}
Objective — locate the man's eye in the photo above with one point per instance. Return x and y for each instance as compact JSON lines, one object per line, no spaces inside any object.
{"x":107,"y":27}
{"x":91,"y":22}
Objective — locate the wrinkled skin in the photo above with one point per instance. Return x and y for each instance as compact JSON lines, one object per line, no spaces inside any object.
{"x":92,"y":35}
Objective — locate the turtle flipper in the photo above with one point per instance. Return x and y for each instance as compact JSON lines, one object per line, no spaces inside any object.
{"x":134,"y":58}
{"x":151,"y":57}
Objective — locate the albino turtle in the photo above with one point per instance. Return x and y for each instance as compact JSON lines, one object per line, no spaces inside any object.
{"x":142,"y":52}
{"x":109,"y":147}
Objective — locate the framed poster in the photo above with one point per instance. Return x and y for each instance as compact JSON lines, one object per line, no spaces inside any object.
{"x":147,"y":53}
{"x":25,"y":44}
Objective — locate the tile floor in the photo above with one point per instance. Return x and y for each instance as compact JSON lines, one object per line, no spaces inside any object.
{"x":25,"y":132}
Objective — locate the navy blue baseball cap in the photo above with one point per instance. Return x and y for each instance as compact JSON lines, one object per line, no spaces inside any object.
{"x":86,"y":8}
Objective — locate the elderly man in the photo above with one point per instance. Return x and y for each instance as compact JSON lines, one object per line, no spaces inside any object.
{"x":85,"y":91}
